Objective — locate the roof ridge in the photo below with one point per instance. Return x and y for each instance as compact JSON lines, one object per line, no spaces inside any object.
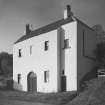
{"x":44,"y":29}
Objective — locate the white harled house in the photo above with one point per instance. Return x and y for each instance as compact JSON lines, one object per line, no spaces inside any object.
{"x":55,"y":57}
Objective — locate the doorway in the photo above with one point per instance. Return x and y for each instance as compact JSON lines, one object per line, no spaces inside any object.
{"x":32,"y":82}
{"x":63,"y":83}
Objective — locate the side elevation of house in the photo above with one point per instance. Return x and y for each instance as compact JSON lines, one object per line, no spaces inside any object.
{"x":55,"y":57}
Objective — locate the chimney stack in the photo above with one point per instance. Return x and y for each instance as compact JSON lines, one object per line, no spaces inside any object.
{"x":28,"y":29}
{"x":67,"y":12}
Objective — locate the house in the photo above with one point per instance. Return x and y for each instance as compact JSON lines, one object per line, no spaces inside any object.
{"x":55,"y":57}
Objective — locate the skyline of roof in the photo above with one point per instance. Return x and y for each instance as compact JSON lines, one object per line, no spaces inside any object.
{"x":49,"y":27}
{"x":44,"y":29}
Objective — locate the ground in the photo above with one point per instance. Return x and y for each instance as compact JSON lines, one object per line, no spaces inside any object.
{"x":92,"y":94}
{"x":6,"y":98}
{"x":10,"y":97}
{"x":4,"y":101}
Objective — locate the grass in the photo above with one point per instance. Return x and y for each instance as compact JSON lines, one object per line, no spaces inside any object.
{"x":94,"y":93}
{"x":49,"y":98}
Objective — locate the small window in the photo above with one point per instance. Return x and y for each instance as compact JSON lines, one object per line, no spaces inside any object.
{"x":30,"y":49}
{"x":19,"y":77}
{"x":46,"y":76}
{"x":20,"y":53}
{"x":46,"y":45}
{"x":63,"y":73}
{"x":66,"y":43}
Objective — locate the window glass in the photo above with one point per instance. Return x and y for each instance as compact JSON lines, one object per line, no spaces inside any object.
{"x":19,"y":77}
{"x":66,"y":43}
{"x":46,"y":45}
{"x":30,"y":49}
{"x":19,"y":53}
{"x":63,"y":72}
{"x":46,"y":76}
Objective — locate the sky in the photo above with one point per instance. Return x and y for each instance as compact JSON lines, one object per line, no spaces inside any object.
{"x":15,"y":14}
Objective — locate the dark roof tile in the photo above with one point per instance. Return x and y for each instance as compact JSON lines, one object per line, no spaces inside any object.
{"x":50,"y":27}
{"x":45,"y":29}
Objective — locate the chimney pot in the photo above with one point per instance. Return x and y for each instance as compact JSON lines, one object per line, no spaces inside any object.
{"x":28,"y":29}
{"x":67,"y":12}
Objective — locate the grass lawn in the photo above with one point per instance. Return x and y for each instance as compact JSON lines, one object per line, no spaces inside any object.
{"x":49,"y":98}
{"x":94,"y":94}
{"x":5,"y":101}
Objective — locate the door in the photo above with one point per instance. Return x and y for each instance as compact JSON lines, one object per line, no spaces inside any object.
{"x":63,"y":83}
{"x":32,"y":82}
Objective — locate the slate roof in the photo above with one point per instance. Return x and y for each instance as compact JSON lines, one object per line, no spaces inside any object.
{"x":45,"y":29}
{"x":48,"y":28}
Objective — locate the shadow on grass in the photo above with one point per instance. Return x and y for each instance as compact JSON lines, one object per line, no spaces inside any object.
{"x":10,"y":84}
{"x":90,"y":75}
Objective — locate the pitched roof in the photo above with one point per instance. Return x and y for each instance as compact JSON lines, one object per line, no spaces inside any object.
{"x":50,"y":27}
{"x":79,"y":21}
{"x":45,"y":29}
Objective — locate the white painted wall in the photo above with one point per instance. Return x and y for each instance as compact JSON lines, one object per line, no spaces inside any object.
{"x":70,"y":65}
{"x":38,"y":62}
{"x":55,"y":59}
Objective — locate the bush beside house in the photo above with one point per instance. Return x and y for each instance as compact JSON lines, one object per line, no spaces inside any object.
{"x":6,"y":70}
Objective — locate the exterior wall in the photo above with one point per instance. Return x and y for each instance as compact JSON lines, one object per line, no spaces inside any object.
{"x":70,"y":64}
{"x":76,"y":61}
{"x":60,"y":61}
{"x":86,"y":45}
{"x":38,"y":62}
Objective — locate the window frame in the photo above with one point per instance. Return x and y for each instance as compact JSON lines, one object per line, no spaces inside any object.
{"x":18,"y":78}
{"x":46,"y":45}
{"x":66,"y":43}
{"x":46,"y":76}
{"x":31,"y":47}
{"x":63,"y":72}
{"x":20,"y":53}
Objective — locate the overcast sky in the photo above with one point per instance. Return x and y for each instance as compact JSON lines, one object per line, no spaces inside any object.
{"x":14,"y":14}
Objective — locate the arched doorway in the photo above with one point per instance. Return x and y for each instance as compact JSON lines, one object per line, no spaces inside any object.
{"x":32,"y":82}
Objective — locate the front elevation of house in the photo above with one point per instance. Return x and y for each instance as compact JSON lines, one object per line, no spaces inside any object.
{"x":55,"y":57}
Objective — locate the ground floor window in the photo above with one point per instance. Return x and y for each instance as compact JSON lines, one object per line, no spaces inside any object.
{"x":63,"y":72}
{"x":19,"y":77}
{"x":46,"y":76}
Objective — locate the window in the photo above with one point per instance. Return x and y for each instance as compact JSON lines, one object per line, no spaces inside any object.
{"x":30,"y":49}
{"x":63,"y":73}
{"x":20,"y":53}
{"x":66,"y":43}
{"x":101,"y":72}
{"x":46,"y":45}
{"x":46,"y":76}
{"x":83,"y":43}
{"x":19,"y":77}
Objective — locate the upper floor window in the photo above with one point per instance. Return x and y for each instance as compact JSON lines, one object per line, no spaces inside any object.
{"x":19,"y":53}
{"x":83,"y":43}
{"x":19,"y":77}
{"x":66,"y":43}
{"x":30,"y":49}
{"x":46,"y":45}
{"x":46,"y":76}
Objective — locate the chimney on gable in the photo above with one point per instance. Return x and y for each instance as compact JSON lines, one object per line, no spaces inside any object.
{"x":28,"y":29}
{"x":67,"y":12}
